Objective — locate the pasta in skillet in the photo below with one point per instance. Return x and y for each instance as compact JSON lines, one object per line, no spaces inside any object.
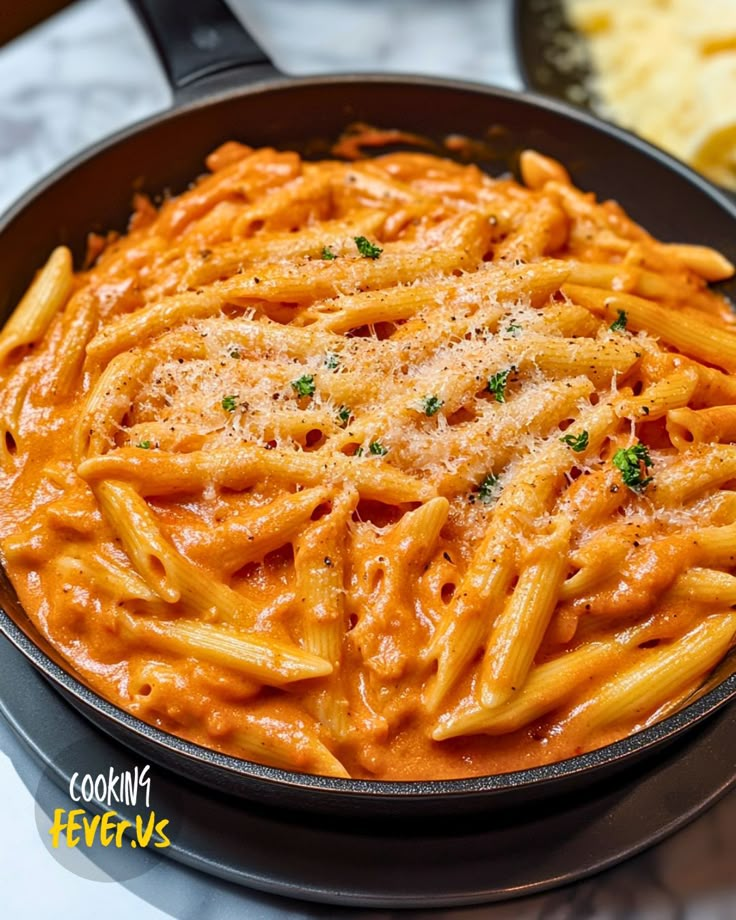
{"x":382,"y":469}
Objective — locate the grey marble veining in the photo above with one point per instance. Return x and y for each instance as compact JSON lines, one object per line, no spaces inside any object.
{"x":89,"y":72}
{"x":74,"y":80}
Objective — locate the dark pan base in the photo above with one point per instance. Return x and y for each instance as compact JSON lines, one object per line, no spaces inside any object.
{"x":419,"y":864}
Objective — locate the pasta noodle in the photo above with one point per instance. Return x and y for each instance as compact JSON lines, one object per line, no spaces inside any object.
{"x":381,"y":469}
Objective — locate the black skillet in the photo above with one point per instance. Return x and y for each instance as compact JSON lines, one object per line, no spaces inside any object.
{"x":225,"y":87}
{"x":543,"y":38}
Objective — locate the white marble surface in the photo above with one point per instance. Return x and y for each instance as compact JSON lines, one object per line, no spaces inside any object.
{"x":90,"y":71}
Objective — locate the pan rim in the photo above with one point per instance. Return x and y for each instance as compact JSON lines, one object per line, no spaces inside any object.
{"x":269,"y":83}
{"x":617,"y":753}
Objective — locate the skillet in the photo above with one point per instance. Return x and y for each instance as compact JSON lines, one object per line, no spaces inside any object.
{"x":542,"y":35}
{"x":225,"y":88}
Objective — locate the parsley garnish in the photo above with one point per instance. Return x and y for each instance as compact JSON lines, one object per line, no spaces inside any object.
{"x":497,"y":384}
{"x":328,"y":254}
{"x":513,"y":329}
{"x":431,"y":405}
{"x":487,"y":490}
{"x":332,"y":361}
{"x":343,"y":414}
{"x":304,"y":386}
{"x":578,"y":442}
{"x":630,"y":461}
{"x":367,"y":249}
{"x":619,"y":324}
{"x":358,"y":452}
{"x":144,"y":445}
{"x":376,"y":448}
{"x":229,"y":403}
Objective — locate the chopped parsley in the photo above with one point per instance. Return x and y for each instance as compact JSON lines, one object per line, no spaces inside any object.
{"x":328,"y":254}
{"x":367,"y":249}
{"x":230,"y":403}
{"x":144,"y":445}
{"x":578,"y":442}
{"x":332,"y":361}
{"x":619,"y":324}
{"x":633,"y":462}
{"x":377,"y":449}
{"x":431,"y":405}
{"x":358,"y":452}
{"x":497,"y":384}
{"x":343,"y":414}
{"x":304,"y":386}
{"x":513,"y":329}
{"x":487,"y":490}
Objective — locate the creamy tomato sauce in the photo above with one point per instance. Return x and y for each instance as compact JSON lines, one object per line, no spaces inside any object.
{"x":385,"y":469}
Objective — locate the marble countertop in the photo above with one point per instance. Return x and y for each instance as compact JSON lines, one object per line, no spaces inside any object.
{"x":90,"y":71}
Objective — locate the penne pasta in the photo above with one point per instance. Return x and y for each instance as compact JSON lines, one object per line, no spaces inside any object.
{"x":714,"y":425}
{"x":661,"y":673}
{"x":694,"y":336}
{"x":170,"y":575}
{"x":548,"y":686}
{"x":43,"y":300}
{"x":671,"y":393}
{"x":465,"y":625}
{"x":380,"y":468}
{"x":156,"y":473}
{"x":320,"y":567}
{"x":278,"y":744}
{"x":263,"y":658}
{"x":519,"y":629}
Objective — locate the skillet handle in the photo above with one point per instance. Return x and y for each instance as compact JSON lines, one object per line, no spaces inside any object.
{"x":200,"y":39}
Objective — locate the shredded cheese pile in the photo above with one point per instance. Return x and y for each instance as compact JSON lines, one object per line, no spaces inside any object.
{"x":666,"y":69}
